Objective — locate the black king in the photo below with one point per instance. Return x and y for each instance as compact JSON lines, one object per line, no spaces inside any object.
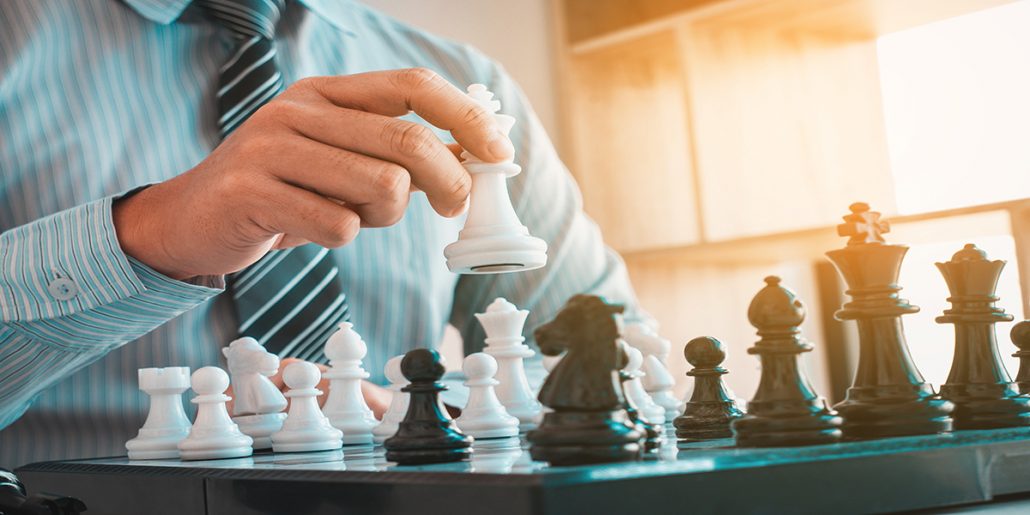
{"x":888,"y":397}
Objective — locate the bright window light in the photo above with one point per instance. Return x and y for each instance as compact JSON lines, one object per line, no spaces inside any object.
{"x":956,"y":97}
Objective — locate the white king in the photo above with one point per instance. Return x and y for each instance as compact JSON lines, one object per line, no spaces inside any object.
{"x":493,"y":239}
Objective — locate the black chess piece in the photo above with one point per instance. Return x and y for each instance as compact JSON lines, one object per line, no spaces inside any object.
{"x":588,"y":422}
{"x":786,"y":410}
{"x":1020,"y":336}
{"x":426,"y":435}
{"x":978,"y":384}
{"x":888,"y":396}
{"x":652,"y":432}
{"x":711,"y":408}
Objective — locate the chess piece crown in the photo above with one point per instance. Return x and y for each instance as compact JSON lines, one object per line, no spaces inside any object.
{"x":972,"y":280}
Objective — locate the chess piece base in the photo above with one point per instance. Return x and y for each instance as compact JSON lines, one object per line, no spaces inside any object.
{"x":216,"y":448}
{"x":444,"y":448}
{"x":156,"y":444}
{"x":811,"y":424}
{"x":427,"y":456}
{"x":890,"y":416}
{"x":580,"y":438}
{"x":506,"y":252}
{"x":307,"y":441}
{"x":987,"y":406}
{"x":706,"y":421}
{"x":260,"y":427}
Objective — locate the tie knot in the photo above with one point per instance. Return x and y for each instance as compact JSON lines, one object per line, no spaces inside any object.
{"x":245,"y":18}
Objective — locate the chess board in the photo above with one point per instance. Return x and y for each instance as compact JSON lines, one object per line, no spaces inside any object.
{"x":904,"y":473}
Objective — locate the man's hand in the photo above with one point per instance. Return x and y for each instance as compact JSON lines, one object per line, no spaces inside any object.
{"x":377,"y":397}
{"x":321,"y":160}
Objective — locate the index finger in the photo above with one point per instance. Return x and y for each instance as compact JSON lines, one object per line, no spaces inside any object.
{"x":397,"y":92}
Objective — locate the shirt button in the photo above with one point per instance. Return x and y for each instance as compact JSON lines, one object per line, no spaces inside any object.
{"x":63,"y":288}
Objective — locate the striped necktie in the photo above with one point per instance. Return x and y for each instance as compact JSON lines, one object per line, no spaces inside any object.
{"x":291,"y":300}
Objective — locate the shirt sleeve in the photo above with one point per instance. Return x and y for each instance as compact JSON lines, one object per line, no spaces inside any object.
{"x":549,"y":204}
{"x":69,"y":295}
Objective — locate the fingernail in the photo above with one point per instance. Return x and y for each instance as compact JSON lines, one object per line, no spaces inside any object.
{"x":500,"y":146}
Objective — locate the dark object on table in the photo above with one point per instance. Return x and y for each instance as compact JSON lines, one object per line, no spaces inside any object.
{"x":786,"y":410}
{"x":978,"y":384}
{"x":889,"y":396}
{"x":711,"y":408}
{"x":1020,"y":336}
{"x":426,"y":435}
{"x":13,"y":500}
{"x":588,"y":423}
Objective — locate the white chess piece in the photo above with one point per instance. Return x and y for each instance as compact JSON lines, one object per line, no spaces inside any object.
{"x":166,"y":423}
{"x":398,"y":403}
{"x":503,"y":324}
{"x":484,"y":416}
{"x":257,"y":403}
{"x":493,"y":239}
{"x":214,"y":435}
{"x":306,"y":428}
{"x":345,"y":406}
{"x":654,"y":413}
{"x":658,"y":382}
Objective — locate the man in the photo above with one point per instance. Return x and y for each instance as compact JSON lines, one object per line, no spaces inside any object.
{"x":150,"y":147}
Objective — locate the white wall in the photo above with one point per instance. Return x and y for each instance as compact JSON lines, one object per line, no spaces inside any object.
{"x":518,"y":34}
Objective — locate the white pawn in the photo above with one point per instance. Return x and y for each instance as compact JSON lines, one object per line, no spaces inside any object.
{"x":306,"y":428}
{"x":346,"y":407}
{"x":658,"y":382}
{"x":503,"y":325}
{"x":493,"y":239}
{"x":213,"y":435}
{"x":398,"y":403}
{"x":654,"y":413}
{"x":166,"y":423}
{"x":484,"y":415}
{"x":258,"y":404}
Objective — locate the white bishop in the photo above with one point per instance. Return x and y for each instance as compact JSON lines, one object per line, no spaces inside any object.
{"x":346,"y":407}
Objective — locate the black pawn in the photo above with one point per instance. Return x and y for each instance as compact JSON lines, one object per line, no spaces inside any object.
{"x":785,"y":411}
{"x":1021,"y":339}
{"x":711,"y":408}
{"x":978,"y":384}
{"x":426,"y":435}
{"x":652,"y":432}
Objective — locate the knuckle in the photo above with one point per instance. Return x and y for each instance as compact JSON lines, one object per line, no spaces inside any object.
{"x":460,"y":187}
{"x":475,"y":115}
{"x":414,"y":140}
{"x":416,"y":78}
{"x":392,"y":182}
{"x":279,"y":110}
{"x":342,"y":230}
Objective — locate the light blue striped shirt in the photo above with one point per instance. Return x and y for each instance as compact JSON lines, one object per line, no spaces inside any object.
{"x":100,"y":97}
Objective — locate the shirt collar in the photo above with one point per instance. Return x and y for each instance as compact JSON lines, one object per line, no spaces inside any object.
{"x":164,"y":12}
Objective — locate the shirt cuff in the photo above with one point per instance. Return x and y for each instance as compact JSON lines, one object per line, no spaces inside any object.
{"x":70,"y":264}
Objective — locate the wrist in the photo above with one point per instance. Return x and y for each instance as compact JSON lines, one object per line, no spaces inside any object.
{"x":139,"y":237}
